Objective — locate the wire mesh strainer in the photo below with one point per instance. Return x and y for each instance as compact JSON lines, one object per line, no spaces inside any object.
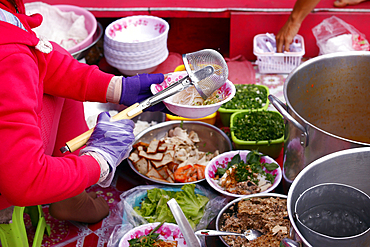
{"x":198,"y":60}
{"x":207,"y":71}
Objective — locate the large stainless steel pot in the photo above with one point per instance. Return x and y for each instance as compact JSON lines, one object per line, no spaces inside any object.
{"x":350,"y":167}
{"x":326,"y":109}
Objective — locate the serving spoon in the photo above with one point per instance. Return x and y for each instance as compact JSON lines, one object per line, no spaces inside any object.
{"x":248,"y":234}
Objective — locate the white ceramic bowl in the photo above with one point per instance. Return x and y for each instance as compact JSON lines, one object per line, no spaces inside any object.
{"x":133,"y":72}
{"x":222,"y":160}
{"x":136,"y":33}
{"x":135,"y":47}
{"x":90,"y":25}
{"x":133,"y":68}
{"x":167,"y":231}
{"x":132,"y":58}
{"x":187,"y":111}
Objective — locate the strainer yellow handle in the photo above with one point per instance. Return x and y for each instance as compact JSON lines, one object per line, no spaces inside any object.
{"x":180,"y":68}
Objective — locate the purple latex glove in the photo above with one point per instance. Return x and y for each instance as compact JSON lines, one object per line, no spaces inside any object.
{"x":112,"y":139}
{"x":137,"y":88}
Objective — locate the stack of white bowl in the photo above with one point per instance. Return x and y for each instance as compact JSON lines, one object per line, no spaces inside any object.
{"x":136,"y":44}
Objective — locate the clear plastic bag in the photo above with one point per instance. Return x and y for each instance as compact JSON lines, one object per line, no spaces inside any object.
{"x":335,"y":35}
{"x":124,"y":217}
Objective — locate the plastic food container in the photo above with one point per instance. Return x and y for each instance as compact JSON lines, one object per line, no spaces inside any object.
{"x":272,"y":148}
{"x":211,"y":119}
{"x":272,"y":62}
{"x":225,"y":113}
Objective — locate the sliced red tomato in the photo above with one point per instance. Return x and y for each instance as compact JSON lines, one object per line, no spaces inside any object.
{"x":193,"y":175}
{"x":189,"y":173}
{"x":181,"y":174}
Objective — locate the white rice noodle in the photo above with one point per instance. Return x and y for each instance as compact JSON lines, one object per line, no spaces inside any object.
{"x":189,"y":96}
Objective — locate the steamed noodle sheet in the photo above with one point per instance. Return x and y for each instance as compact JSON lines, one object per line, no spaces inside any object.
{"x":190,"y":96}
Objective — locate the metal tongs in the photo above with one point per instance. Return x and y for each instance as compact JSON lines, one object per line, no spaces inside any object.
{"x":180,"y":85}
{"x":138,"y":108}
{"x":183,"y":223}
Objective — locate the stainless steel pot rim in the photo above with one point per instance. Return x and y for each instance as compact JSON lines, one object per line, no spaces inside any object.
{"x":307,"y":63}
{"x":179,"y":122}
{"x":246,"y":197}
{"x":300,"y":175}
{"x":318,"y":233}
{"x":333,"y":238}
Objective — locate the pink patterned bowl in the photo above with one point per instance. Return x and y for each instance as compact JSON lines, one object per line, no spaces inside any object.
{"x":167,"y":231}
{"x":188,"y":111}
{"x":222,"y":161}
{"x":137,"y":33}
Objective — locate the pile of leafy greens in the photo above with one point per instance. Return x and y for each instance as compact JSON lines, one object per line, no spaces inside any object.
{"x":154,"y":207}
{"x":244,"y":170}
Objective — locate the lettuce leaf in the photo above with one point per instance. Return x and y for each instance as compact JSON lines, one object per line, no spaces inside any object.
{"x":163,"y":212}
{"x":154,"y":207}
{"x":190,"y":202}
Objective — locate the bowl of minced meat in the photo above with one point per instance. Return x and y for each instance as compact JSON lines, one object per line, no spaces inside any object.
{"x":264,"y":212}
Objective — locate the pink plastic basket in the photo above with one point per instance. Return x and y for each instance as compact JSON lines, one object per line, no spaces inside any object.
{"x":270,"y":62}
{"x":90,"y":25}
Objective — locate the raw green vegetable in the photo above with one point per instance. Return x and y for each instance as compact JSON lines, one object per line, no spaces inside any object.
{"x":244,"y":170}
{"x":154,"y":207}
{"x":214,"y":98}
{"x":146,"y":240}
{"x":247,"y":96}
{"x":258,"y":126}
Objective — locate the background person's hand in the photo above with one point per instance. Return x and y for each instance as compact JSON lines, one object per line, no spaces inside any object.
{"x":286,"y":35}
{"x":112,"y":139}
{"x":344,"y":3}
{"x":137,"y":88}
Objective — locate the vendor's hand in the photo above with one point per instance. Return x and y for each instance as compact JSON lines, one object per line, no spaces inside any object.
{"x":137,"y":88}
{"x":286,"y":35}
{"x":112,"y":139}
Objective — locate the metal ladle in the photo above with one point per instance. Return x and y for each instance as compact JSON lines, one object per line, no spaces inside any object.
{"x":248,"y":234}
{"x":287,"y":242}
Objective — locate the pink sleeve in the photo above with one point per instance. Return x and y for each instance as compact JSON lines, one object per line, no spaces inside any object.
{"x":27,"y":175}
{"x":67,"y":77}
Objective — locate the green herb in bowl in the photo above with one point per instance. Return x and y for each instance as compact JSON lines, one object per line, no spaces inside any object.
{"x":147,"y":240}
{"x":247,"y":97}
{"x":246,"y":177}
{"x":262,"y":130}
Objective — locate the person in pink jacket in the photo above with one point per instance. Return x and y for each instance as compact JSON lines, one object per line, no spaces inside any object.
{"x":42,"y":88}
